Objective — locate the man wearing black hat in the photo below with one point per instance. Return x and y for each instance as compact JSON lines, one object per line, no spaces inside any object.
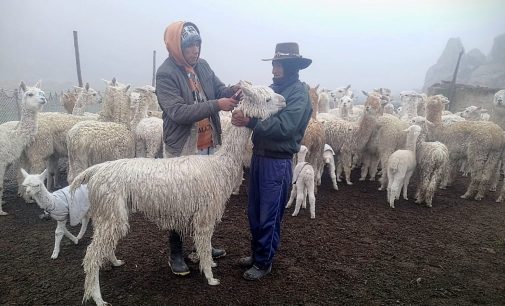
{"x":275,"y":140}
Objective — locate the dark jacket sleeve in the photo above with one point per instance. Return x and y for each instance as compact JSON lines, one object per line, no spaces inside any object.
{"x":172,"y":103}
{"x":283,"y":125}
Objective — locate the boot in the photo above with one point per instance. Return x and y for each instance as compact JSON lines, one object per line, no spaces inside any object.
{"x":176,"y":259}
{"x":218,"y":253}
{"x":246,"y":262}
{"x":255,"y":273}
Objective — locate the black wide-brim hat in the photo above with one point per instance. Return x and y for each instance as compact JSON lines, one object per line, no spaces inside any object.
{"x":290,"y":51}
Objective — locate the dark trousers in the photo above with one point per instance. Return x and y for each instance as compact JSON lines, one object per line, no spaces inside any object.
{"x":269,"y":183}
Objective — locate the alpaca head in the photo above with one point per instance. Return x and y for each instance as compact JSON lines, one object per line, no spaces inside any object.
{"x":328,"y":153}
{"x":389,"y":109}
{"x":473,"y":112}
{"x":435,"y":106}
{"x":33,"y":183}
{"x":413,"y":131}
{"x":87,"y":95}
{"x":346,"y":102}
{"x":259,"y":101}
{"x":33,"y":97}
{"x":302,"y":153}
{"x":499,"y":98}
{"x":418,"y":120}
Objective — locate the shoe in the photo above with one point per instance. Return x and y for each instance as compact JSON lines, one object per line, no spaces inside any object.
{"x":218,"y":253}
{"x":255,"y":273}
{"x":246,"y":262}
{"x":178,"y":265}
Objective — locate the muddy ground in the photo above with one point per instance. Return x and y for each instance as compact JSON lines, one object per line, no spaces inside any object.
{"x":357,"y":251}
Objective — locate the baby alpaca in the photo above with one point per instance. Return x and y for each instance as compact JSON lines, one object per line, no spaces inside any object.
{"x":401,"y":165}
{"x":303,"y":185}
{"x":329,"y":159}
{"x":58,"y":205}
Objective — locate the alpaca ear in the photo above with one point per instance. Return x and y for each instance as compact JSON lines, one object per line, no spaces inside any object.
{"x":113,"y":82}
{"x":22,"y":86}
{"x":39,"y":82}
{"x":365,"y":93}
{"x":43,"y":175}
{"x":126,"y":88}
{"x":24,"y":173}
{"x":86,"y":86}
{"x":347,"y":87}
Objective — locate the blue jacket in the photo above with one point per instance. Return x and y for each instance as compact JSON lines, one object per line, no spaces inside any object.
{"x":280,"y":135}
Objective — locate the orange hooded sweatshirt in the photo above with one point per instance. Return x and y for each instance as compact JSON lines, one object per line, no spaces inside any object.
{"x":172,"y":38}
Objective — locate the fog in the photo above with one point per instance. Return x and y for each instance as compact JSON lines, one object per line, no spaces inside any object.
{"x":365,"y":43}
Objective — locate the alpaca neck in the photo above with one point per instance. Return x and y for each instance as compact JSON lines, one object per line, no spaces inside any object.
{"x":411,"y":143}
{"x":28,"y":122}
{"x":44,"y":198}
{"x":301,"y":157}
{"x":344,"y":112}
{"x":366,"y":127}
{"x":234,"y":144}
{"x":140,"y":112}
{"x":80,"y":104}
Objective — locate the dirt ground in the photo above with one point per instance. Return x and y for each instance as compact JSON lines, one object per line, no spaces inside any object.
{"x":357,"y":251}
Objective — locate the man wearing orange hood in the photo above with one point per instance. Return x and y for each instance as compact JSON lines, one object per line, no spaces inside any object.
{"x":191,"y":96}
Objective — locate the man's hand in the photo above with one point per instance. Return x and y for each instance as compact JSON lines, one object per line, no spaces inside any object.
{"x":227,"y":104}
{"x":238,"y":118}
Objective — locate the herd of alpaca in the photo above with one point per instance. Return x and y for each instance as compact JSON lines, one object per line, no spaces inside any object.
{"x":121,"y":149}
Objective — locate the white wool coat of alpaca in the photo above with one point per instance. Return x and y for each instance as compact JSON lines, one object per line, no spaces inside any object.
{"x":86,"y":96}
{"x":58,"y":206}
{"x":401,"y":165}
{"x":313,"y":138}
{"x":15,"y":138}
{"x":189,"y":195}
{"x":498,"y":110}
{"x":148,"y":130}
{"x":480,"y":143}
{"x":432,"y":166}
{"x":329,"y":159}
{"x":92,"y":142}
{"x":303,"y":185}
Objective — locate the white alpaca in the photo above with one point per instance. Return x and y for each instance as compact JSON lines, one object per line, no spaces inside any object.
{"x":303,"y":185}
{"x":58,"y":206}
{"x":148,"y":130}
{"x":189,"y":193}
{"x":86,"y":96}
{"x":401,"y":165}
{"x":329,"y":159}
{"x":14,"y":139}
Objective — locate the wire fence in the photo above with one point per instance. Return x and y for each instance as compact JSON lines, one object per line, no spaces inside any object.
{"x":10,"y":104}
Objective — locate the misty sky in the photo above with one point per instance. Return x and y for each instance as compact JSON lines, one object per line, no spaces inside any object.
{"x":366,"y":43}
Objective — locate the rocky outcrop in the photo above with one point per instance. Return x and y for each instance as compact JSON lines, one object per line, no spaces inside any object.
{"x":475,"y":68}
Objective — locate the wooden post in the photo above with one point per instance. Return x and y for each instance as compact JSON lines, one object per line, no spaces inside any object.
{"x":452,"y":88}
{"x":77,"y":60}
{"x":18,"y":104}
{"x":154,"y":68}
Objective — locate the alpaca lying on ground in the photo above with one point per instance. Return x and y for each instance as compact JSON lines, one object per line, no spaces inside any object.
{"x":58,"y":206}
{"x":401,"y":165}
{"x":188,"y":195}
{"x":15,"y":137}
{"x":303,"y":185}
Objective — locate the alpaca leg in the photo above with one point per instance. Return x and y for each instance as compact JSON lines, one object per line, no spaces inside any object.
{"x":339,"y":169}
{"x":202,"y":238}
{"x":393,"y":192}
{"x":334,"y":177}
{"x":365,"y":166}
{"x":406,"y":185}
{"x":292,"y":196}
{"x":495,"y":178}
{"x":476,"y":178}
{"x":304,"y":203}
{"x":58,"y":235}
{"x":69,"y":234}
{"x":489,"y":169}
{"x":299,"y":200}
{"x":374,"y":167}
{"x":115,"y":262}
{"x":52,"y":169}
{"x":2,"y":174}
{"x":312,"y":201}
{"x":501,"y":197}
{"x":84,"y":226}
{"x":347,"y":165}
{"x":236,"y":190}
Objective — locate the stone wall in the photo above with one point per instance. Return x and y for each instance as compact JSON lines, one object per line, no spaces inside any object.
{"x":465,"y":95}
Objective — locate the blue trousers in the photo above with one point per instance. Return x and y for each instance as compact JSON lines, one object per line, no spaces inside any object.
{"x":269,"y":183}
